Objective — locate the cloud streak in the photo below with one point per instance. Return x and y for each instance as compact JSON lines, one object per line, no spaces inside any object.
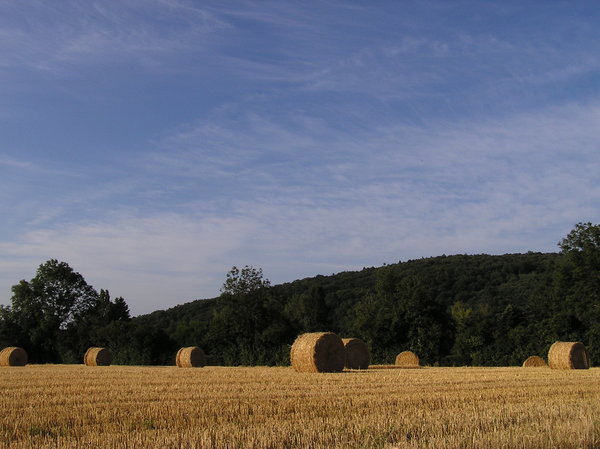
{"x":398,"y":193}
{"x":153,"y":145}
{"x":58,"y":37}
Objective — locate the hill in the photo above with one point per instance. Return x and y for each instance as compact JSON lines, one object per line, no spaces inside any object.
{"x":451,"y":310}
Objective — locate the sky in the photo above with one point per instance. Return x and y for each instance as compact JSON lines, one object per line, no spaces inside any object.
{"x":154,"y":144}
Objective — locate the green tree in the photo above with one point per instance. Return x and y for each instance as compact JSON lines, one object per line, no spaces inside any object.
{"x":580,"y":283}
{"x":584,"y":237}
{"x":427,"y":322}
{"x":378,"y":318}
{"x":9,"y":331}
{"x":246,"y":280}
{"x":59,"y":293}
{"x":465,"y":343}
{"x":87,"y":330}
{"x":43,"y":308}
{"x":106,"y":310}
{"x":56,"y":315}
{"x":308,"y":310}
{"x":247,"y":325}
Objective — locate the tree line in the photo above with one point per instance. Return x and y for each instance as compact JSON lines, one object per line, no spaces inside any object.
{"x":450,"y":310}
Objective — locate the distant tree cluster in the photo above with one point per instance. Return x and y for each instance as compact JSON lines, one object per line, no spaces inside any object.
{"x":450,"y":310}
{"x":57,"y":315}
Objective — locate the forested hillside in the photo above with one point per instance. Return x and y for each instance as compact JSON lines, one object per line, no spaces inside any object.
{"x":482,"y":310}
{"x":450,"y":310}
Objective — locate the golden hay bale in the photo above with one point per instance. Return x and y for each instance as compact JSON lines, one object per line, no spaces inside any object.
{"x":13,"y":356}
{"x":357,"y":353}
{"x":190,"y":357}
{"x":318,"y":352}
{"x":534,"y":362}
{"x":407,"y":358}
{"x":97,"y":357}
{"x":568,"y":355}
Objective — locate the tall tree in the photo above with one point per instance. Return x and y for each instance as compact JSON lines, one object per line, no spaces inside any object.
{"x":44,"y":307}
{"x":247,"y":326}
{"x":246,"y":280}
{"x":584,"y":237}
{"x":581,"y":285}
{"x":88,"y":330}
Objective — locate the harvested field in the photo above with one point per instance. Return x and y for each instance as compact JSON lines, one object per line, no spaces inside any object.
{"x":71,"y":406}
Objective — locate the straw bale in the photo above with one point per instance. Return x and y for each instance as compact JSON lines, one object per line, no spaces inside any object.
{"x":318,"y":352}
{"x":407,"y":358}
{"x":97,"y":357}
{"x":357,"y":353}
{"x":534,"y":362}
{"x":13,"y":356}
{"x":190,"y":357}
{"x":568,"y":355}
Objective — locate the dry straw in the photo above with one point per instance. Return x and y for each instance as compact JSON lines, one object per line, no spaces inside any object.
{"x":13,"y":356}
{"x":534,"y":362}
{"x":97,"y":357}
{"x":357,"y":353}
{"x":318,"y":352}
{"x":190,"y":357}
{"x":568,"y":355}
{"x":407,"y":358}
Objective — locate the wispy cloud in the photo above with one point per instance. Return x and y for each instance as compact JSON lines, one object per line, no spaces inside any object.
{"x":399,"y":192}
{"x":141,"y":258}
{"x":25,"y":166}
{"x":304,"y":140}
{"x":52,"y":37}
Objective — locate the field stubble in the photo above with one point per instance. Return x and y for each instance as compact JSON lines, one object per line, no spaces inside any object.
{"x":72,"y":406}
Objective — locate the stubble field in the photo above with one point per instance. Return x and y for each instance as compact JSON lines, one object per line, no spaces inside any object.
{"x":71,"y":406}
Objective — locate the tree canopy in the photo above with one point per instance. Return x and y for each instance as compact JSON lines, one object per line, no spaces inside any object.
{"x":244,"y":281}
{"x":583,"y":237}
{"x":450,"y":310}
{"x":56,"y":314}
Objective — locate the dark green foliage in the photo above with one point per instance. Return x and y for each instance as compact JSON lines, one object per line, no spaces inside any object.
{"x":308,"y":311}
{"x":246,"y":280}
{"x":450,"y":310}
{"x":135,"y":344}
{"x":247,"y":326}
{"x":56,"y":316}
{"x":48,"y":308}
{"x":579,"y":281}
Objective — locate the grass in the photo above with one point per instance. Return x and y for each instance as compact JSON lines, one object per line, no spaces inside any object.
{"x":70,"y":406}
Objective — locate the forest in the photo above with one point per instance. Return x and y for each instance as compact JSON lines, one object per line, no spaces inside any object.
{"x":482,"y":310}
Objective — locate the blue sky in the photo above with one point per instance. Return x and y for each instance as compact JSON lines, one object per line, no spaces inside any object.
{"x":154,"y":144}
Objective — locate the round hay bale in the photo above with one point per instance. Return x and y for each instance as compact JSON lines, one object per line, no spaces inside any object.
{"x":568,"y":355}
{"x":97,"y":357}
{"x":407,"y":358}
{"x":534,"y":362}
{"x":13,"y":356}
{"x":318,"y":352}
{"x":190,"y":357}
{"x":357,"y":353}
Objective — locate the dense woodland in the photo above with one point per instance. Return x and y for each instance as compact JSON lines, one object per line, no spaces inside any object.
{"x":450,"y":310}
